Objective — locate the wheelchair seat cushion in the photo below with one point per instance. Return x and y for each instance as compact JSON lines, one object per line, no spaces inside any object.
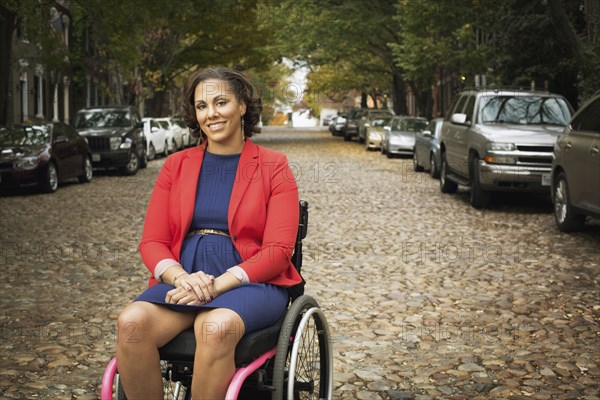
{"x":252,"y":345}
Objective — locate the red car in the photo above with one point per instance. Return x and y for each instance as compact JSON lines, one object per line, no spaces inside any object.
{"x":42,"y":156}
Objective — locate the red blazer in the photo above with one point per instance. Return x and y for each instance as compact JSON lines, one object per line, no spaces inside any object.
{"x":262,"y":215}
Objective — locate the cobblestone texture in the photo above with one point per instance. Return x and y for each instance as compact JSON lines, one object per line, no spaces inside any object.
{"x":427,"y":298}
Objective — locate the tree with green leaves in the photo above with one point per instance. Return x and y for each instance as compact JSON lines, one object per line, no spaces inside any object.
{"x":439,"y":35}
{"x":344,"y":43}
{"x":541,"y":41}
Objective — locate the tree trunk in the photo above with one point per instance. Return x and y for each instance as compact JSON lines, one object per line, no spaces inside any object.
{"x":399,"y":93}
{"x":155,"y":104}
{"x":363,"y":100}
{"x":7,"y":24}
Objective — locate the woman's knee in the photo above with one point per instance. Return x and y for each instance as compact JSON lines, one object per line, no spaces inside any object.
{"x":133,"y":320}
{"x":218,"y":332}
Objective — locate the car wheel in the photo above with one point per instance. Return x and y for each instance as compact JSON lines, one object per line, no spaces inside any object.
{"x":151,"y":152}
{"x":87,"y":174}
{"x":446,"y":185}
{"x":51,"y":183}
{"x":416,"y":166}
{"x":133,"y":165}
{"x":433,"y":171}
{"x":174,"y":145}
{"x":479,"y":198}
{"x":565,"y":217}
{"x":167,"y":150}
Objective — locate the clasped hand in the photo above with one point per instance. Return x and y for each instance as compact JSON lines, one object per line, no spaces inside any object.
{"x":196,"y":288}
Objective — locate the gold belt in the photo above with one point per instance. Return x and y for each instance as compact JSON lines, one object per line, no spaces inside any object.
{"x":208,"y":231}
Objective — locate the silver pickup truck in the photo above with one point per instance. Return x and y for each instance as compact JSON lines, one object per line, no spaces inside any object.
{"x":500,"y":140}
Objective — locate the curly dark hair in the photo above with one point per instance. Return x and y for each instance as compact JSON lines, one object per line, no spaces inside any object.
{"x":243,"y":90}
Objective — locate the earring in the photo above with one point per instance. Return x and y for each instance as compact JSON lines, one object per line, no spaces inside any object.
{"x":243,"y":125}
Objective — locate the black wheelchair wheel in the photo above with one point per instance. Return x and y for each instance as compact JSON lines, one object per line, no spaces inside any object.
{"x":172,"y":390}
{"x":303,"y":367}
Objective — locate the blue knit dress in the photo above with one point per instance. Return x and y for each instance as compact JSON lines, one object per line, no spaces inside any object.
{"x":258,"y":304}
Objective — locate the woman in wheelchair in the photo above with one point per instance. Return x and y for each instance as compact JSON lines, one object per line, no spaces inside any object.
{"x":218,"y":236}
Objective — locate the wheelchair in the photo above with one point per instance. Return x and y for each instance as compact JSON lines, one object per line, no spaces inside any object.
{"x":289,"y":360}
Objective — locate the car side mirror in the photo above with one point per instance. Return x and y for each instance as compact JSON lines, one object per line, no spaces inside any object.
{"x":387,"y":128}
{"x":154,"y":129}
{"x":458,"y":119}
{"x":60,"y":139}
{"x":427,"y":133}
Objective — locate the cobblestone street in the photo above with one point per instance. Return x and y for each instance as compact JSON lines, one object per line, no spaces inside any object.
{"x":426,"y":297}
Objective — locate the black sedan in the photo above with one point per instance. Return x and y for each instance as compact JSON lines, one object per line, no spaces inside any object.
{"x":42,"y":156}
{"x":116,"y":137}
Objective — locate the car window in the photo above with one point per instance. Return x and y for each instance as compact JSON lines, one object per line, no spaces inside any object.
{"x":431,"y":127}
{"x":460,"y":105}
{"x":589,"y":119}
{"x":449,"y":112}
{"x":524,"y":110}
{"x":23,"y":136}
{"x":66,"y":131}
{"x":181,"y":124}
{"x":469,"y":108}
{"x":102,"y":119}
{"x":163,"y":124}
{"x":413,"y":125}
{"x":380,"y":122}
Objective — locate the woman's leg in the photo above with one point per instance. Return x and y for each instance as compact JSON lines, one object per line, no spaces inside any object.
{"x":217,"y":333}
{"x":142,"y":329}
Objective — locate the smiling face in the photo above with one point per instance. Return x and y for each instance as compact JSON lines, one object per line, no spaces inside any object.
{"x":219,"y":115}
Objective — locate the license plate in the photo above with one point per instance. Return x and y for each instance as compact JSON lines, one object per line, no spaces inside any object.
{"x":546,"y":180}
{"x":95,"y":157}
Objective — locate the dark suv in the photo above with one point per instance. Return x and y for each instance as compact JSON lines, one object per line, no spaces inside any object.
{"x":115,"y":136}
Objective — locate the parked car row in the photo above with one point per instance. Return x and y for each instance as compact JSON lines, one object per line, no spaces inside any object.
{"x":42,"y":155}
{"x":165,"y":136}
{"x":500,"y":141}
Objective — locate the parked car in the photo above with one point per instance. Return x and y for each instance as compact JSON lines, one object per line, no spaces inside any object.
{"x":156,"y":138}
{"x":42,"y":156}
{"x":500,"y":140}
{"x":352,"y":123}
{"x":374,"y":132}
{"x":327,"y":119}
{"x":185,"y":132}
{"x":337,"y":125}
{"x":115,"y":136}
{"x":427,"y":148}
{"x":576,"y":169}
{"x":367,"y":119}
{"x":174,"y":134}
{"x":399,"y":137}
